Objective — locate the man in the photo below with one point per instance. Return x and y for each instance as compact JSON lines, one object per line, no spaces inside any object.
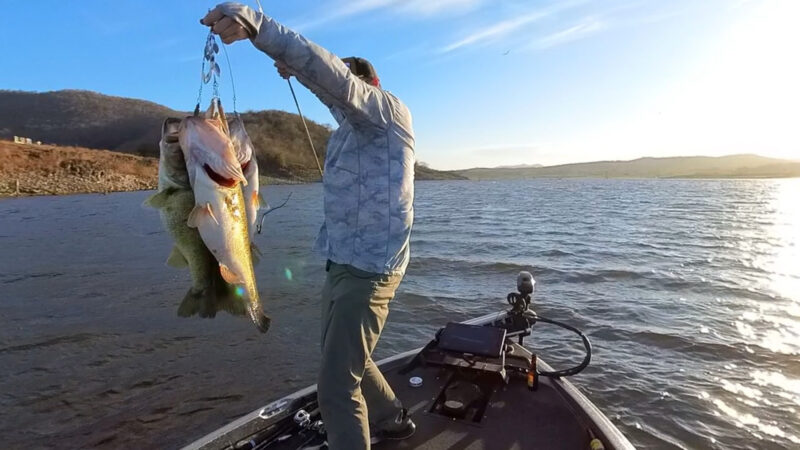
{"x":369,"y":189}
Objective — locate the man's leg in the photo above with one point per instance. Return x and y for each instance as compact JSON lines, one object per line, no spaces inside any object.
{"x":355,"y":305}
{"x":383,"y":405}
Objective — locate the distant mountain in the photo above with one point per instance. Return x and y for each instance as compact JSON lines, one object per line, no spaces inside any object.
{"x":520,"y":166}
{"x":734,"y":166}
{"x":96,"y":121}
{"x":423,"y":172}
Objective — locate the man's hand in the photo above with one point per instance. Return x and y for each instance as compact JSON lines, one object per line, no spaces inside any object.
{"x":283,"y":70}
{"x":228,"y":29}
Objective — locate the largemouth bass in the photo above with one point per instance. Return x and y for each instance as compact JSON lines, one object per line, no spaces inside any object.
{"x":175,"y":201}
{"x":246,"y":155}
{"x":220,"y":213}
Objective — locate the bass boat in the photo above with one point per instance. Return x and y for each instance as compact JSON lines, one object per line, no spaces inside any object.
{"x":473,"y":386}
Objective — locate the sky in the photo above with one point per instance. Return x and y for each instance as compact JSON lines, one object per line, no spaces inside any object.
{"x":489,"y":82}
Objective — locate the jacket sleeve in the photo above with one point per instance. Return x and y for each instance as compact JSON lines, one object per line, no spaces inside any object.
{"x":319,"y":70}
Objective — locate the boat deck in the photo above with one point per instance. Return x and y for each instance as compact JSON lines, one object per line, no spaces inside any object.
{"x":464,"y":402}
{"x":543,"y":422}
{"x":514,"y":418}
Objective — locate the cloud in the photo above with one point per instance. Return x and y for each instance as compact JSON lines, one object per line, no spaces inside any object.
{"x":341,"y":11}
{"x":506,"y":27}
{"x":582,"y":30}
{"x":494,"y":32}
{"x":430,"y":8}
{"x":424,"y":8}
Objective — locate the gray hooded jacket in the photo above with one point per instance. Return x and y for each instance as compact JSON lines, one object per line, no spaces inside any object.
{"x":369,"y":167}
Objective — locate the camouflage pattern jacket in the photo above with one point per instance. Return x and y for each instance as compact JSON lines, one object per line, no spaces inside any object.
{"x":369,"y":167}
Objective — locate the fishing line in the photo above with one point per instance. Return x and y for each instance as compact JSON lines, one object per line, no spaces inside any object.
{"x":308,"y":133}
{"x":230,"y":72}
{"x":299,"y":112}
{"x":261,"y":222}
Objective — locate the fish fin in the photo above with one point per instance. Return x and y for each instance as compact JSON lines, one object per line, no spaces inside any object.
{"x":197,"y":213}
{"x":228,"y":275}
{"x":159,"y":199}
{"x":194,"y":216}
{"x":176,"y":259}
{"x":255,"y":254}
{"x":211,"y":213}
{"x":258,"y":199}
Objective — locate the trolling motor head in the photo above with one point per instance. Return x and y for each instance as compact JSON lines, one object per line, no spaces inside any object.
{"x":520,"y":301}
{"x":525,"y":283}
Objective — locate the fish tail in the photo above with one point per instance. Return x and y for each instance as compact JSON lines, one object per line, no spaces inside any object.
{"x":261,"y":320}
{"x":198,"y":303}
{"x":208,"y":301}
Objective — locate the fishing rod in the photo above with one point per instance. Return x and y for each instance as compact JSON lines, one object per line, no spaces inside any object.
{"x":299,"y":112}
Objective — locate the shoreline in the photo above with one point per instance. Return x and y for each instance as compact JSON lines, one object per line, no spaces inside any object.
{"x":61,"y":186}
{"x":29,"y":170}
{"x":54,"y":186}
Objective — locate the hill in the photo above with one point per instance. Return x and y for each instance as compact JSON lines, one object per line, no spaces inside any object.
{"x":91,"y":120}
{"x":84,"y":119}
{"x":734,"y":166}
{"x":96,"y":121}
{"x":520,"y":166}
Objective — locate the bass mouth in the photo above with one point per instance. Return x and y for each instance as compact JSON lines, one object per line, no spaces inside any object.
{"x":219,"y":179}
{"x":222,"y":181}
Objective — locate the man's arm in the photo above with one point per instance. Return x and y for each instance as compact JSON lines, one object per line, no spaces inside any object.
{"x":316,"y":68}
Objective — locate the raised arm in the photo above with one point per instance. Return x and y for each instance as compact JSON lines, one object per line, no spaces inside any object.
{"x":321,"y":71}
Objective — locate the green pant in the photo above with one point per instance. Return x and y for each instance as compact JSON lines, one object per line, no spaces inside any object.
{"x":352,"y":392}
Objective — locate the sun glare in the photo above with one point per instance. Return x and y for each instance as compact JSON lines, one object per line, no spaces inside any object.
{"x":746,"y":93}
{"x":741,"y":97}
{"x":785,"y":268}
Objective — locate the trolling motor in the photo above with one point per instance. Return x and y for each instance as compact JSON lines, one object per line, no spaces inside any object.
{"x":522,"y":319}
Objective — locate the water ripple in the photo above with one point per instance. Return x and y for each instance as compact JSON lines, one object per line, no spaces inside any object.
{"x":689,"y":290}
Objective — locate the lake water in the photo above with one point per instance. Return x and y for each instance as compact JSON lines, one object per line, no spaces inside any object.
{"x":688,"y":289}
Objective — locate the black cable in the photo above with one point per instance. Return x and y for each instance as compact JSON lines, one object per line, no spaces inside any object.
{"x":587,"y":345}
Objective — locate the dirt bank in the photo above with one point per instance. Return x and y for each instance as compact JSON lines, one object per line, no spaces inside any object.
{"x":52,"y":170}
